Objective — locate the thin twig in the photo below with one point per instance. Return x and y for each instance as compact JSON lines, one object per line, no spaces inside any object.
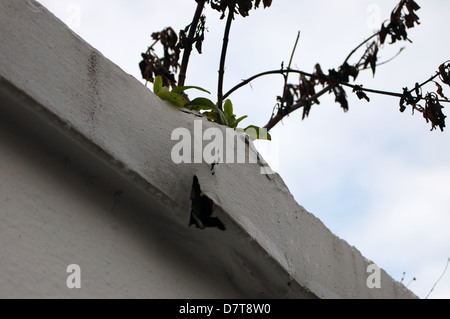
{"x":286,"y":76}
{"x":382,"y":63}
{"x":189,"y":42}
{"x":245,"y":82}
{"x":442,"y":276}
{"x":279,"y":117}
{"x":410,"y":282}
{"x":403,"y":278}
{"x":428,"y":81}
{"x":295,"y":49}
{"x":332,"y":83}
{"x":150,"y":48}
{"x":359,"y":46}
{"x":329,"y":80}
{"x":224,"y":56}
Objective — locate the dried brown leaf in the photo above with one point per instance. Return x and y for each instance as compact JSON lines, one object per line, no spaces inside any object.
{"x":440,"y":91}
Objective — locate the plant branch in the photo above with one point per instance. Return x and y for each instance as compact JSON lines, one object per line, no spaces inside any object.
{"x":223,"y":56}
{"x":150,"y":48}
{"x":293,"y":51}
{"x":359,"y":46}
{"x":189,"y":42}
{"x":245,"y":82}
{"x":327,"y":79}
{"x":283,"y":113}
{"x":445,"y":270}
{"x":382,"y":63}
{"x":428,"y":81}
{"x":286,"y":76}
{"x":331,"y":84}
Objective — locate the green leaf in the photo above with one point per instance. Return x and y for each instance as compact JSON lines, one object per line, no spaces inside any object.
{"x":201,"y":104}
{"x":232,"y":121}
{"x":205,"y":104}
{"x":228,"y":112}
{"x":257,"y":133}
{"x":164,"y":89}
{"x":222,"y":119}
{"x":158,"y":85}
{"x":239,"y":120}
{"x":228,"y":108}
{"x":173,"y":98}
{"x":181,"y":89}
{"x":211,"y":116}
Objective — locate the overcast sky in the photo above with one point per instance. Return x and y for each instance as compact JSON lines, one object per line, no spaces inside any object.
{"x":376,"y":177}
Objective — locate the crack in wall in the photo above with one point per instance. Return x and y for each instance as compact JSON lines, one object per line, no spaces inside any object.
{"x":202,"y":209}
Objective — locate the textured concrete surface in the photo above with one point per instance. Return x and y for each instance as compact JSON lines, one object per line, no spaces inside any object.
{"x":86,"y":178}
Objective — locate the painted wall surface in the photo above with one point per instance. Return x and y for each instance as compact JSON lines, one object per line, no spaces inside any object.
{"x":86,"y":178}
{"x":55,"y":213}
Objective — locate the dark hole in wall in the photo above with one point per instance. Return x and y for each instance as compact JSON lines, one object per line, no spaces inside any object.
{"x":202,"y":209}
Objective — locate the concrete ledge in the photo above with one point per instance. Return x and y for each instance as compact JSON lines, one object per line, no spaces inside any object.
{"x":105,"y":120}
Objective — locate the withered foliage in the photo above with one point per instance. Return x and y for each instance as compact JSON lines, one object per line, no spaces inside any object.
{"x":408,"y":99}
{"x":403,"y":17}
{"x":341,"y":97}
{"x":293,"y":93}
{"x":444,"y":73}
{"x":440,"y":91}
{"x":152,"y":65}
{"x":241,"y":7}
{"x":370,"y":57}
{"x":358,"y":89}
{"x":172,"y":44}
{"x":432,"y":111}
{"x":199,"y":35}
{"x":303,"y":94}
{"x":167,"y":66}
{"x":305,"y":91}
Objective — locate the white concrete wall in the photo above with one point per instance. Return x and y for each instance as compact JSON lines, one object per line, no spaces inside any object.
{"x":86,"y":178}
{"x":59,"y":206}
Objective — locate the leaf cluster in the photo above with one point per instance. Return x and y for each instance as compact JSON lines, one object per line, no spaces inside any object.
{"x":310,"y":87}
{"x":241,"y":7}
{"x":432,"y":110}
{"x":153,"y":66}
{"x":167,"y":66}
{"x":199,"y":36}
{"x":172,"y":44}
{"x":226,"y":117}
{"x":403,"y":17}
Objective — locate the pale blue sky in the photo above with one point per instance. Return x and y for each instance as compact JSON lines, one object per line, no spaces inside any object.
{"x":376,"y":177}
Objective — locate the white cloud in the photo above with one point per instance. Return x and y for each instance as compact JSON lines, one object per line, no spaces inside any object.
{"x":407,"y":227}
